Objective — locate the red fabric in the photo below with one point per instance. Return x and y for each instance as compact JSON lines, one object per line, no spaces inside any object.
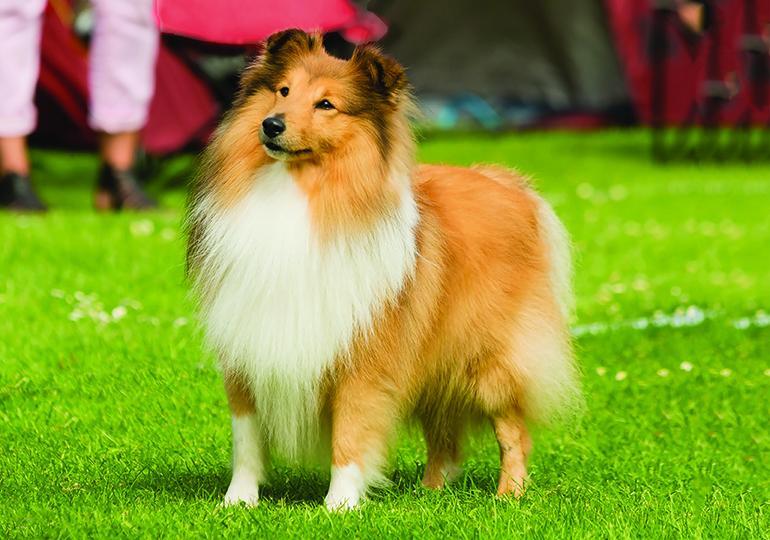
{"x":367,"y":27}
{"x":182,"y":109}
{"x":689,"y":62}
{"x":251,"y":21}
{"x":62,"y":91}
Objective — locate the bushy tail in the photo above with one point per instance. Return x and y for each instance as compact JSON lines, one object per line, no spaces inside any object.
{"x":559,"y":248}
{"x":551,"y":377}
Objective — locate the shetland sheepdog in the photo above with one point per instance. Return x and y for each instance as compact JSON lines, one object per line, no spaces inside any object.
{"x":345,"y":288}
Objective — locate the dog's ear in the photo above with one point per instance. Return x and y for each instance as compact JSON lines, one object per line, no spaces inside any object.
{"x":386,"y":76}
{"x":293,"y":39}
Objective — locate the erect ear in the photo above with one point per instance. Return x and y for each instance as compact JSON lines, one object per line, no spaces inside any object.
{"x":292,"y":39}
{"x":385,"y":74}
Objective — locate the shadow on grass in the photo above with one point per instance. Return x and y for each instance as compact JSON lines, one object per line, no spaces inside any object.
{"x":290,"y":486}
{"x":293,"y":486}
{"x":182,"y":484}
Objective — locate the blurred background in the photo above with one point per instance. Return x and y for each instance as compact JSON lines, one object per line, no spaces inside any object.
{"x":684,"y":67}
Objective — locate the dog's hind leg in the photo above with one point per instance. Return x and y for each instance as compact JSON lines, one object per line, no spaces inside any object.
{"x":444,"y":440}
{"x":498,"y":399}
{"x":515,"y":445}
{"x":249,"y":454}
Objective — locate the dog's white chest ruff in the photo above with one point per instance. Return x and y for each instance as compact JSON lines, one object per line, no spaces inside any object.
{"x":281,"y":306}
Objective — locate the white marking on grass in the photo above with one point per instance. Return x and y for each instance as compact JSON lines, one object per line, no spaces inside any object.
{"x":742,"y":323}
{"x":154,"y":321}
{"x":584,"y":191}
{"x":618,"y":192}
{"x":682,"y":317}
{"x":663,"y":372}
{"x":726,"y":372}
{"x":133,"y":304}
{"x":761,"y":319}
{"x":686,"y":366}
{"x":640,"y":324}
{"x":640,"y":283}
{"x":621,"y":376}
{"x":142,"y":227}
{"x":89,"y":307}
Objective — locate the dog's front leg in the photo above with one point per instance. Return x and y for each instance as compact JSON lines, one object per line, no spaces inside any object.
{"x":364,"y":413}
{"x":248,"y":446}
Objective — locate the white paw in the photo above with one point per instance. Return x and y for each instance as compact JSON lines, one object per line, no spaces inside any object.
{"x":347,"y":488}
{"x":336,"y":502}
{"x":241,"y":492}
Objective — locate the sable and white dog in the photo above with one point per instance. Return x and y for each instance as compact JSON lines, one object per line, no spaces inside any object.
{"x":345,"y":288}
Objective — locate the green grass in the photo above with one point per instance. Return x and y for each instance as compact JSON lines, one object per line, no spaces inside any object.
{"x":119,"y":427}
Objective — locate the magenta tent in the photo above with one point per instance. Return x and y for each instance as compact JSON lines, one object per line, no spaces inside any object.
{"x":238,"y":22}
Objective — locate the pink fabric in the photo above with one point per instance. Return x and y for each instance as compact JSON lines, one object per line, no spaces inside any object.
{"x":122,"y":64}
{"x":251,"y":21}
{"x":121,"y":72}
{"x":19,"y":64}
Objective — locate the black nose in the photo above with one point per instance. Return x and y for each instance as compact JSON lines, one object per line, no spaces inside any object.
{"x":273,"y":126}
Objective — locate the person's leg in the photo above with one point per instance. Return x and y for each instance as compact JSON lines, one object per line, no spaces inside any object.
{"x":13,"y":154}
{"x":122,"y":65}
{"x":122,"y":81}
{"x":20,"y":24}
{"x":119,"y":149}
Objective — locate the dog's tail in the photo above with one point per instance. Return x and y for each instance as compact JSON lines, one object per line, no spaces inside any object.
{"x":557,"y":242}
{"x":551,"y":389}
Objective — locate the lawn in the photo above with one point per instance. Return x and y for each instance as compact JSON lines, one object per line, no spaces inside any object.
{"x":114,"y":424}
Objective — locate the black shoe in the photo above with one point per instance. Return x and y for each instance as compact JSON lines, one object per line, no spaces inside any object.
{"x":118,"y":190}
{"x":17,"y":193}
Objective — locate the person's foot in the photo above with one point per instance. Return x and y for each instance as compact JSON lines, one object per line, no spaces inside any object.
{"x":120,"y":189}
{"x":17,"y":193}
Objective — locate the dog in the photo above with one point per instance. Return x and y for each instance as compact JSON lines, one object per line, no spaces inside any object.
{"x":345,"y":289}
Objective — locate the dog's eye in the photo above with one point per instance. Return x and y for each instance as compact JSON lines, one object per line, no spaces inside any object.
{"x":284,"y":91}
{"x":324,"y":104}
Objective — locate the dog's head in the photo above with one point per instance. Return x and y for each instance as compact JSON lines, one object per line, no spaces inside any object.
{"x":304,"y":103}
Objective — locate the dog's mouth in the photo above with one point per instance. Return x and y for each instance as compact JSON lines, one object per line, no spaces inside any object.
{"x":278,"y":149}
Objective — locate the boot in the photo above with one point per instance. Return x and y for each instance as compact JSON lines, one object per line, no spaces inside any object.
{"x":17,"y":193}
{"x":119,"y":190}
